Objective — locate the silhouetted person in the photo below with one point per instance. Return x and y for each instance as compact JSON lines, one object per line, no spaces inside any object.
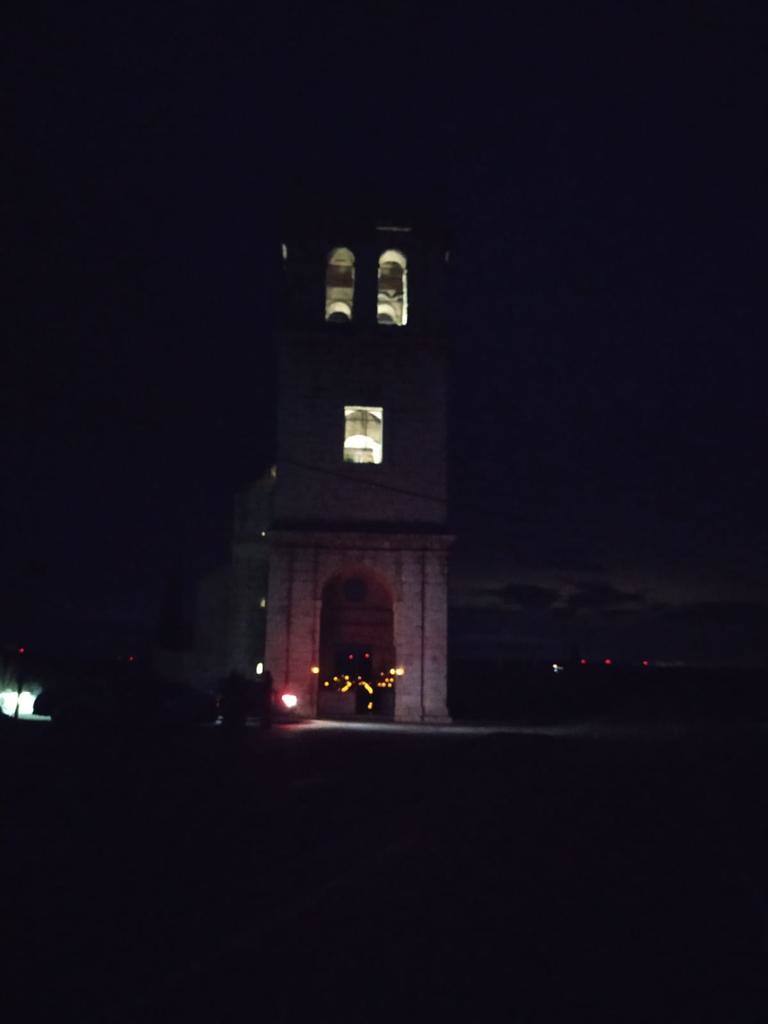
{"x":234,"y":700}
{"x":266,"y":708}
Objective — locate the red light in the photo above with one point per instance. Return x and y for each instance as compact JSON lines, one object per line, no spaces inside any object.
{"x":366,"y":655}
{"x":131,"y":658}
{"x":21,"y":650}
{"x":645,"y":663}
{"x":350,"y":657}
{"x":607,"y":661}
{"x":583,"y":661}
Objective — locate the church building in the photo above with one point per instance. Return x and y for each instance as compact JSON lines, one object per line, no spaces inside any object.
{"x":339,"y":559}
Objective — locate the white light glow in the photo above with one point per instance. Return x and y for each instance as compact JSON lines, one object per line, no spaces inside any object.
{"x":338,"y":311}
{"x":10,"y":698}
{"x":8,"y":701}
{"x":263,"y":603}
{"x":363,"y":433}
{"x":259,"y":667}
{"x":339,"y":285}
{"x":290,"y":700}
{"x":26,"y":703}
{"x":392,"y":305}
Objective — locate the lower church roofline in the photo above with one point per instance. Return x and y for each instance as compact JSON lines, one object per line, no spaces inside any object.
{"x":308,"y":526}
{"x":368,"y":540}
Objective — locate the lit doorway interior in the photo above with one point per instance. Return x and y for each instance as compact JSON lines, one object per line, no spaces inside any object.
{"x":357,"y":652}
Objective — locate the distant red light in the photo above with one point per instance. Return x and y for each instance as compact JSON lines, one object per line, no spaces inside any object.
{"x":21,"y":650}
{"x":350,"y":657}
{"x":366,"y":655}
{"x":608,"y":661}
{"x":583,"y":661}
{"x":645,"y":663}
{"x":131,"y":658}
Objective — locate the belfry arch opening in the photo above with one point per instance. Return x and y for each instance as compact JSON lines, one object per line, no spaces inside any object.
{"x":392,"y":296}
{"x":357,"y":652}
{"x":339,"y":285}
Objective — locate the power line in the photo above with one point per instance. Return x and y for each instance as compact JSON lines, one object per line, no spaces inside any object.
{"x":368,"y":483}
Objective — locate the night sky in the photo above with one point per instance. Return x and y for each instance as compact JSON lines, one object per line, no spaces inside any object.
{"x":603,"y":179}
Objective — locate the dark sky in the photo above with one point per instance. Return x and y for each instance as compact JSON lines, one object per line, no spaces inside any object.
{"x":604,"y":179}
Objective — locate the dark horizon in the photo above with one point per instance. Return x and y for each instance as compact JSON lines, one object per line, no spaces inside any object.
{"x":603,"y":182}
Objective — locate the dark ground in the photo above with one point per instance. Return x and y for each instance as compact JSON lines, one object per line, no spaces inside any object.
{"x":356,"y":872}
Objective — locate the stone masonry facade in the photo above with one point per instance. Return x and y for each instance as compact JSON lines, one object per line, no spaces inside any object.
{"x":413,"y":566}
{"x":319,"y":518}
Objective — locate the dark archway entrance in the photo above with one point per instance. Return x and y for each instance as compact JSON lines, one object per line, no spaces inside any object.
{"x":357,"y":651}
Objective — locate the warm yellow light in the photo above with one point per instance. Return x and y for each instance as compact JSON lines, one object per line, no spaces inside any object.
{"x":315,"y":670}
{"x":370,"y":705}
{"x":392,"y":671}
{"x":400,"y":672}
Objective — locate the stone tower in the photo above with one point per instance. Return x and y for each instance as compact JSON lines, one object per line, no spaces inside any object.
{"x":340,"y":554}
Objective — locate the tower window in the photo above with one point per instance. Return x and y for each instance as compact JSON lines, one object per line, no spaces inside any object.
{"x":339,"y":285}
{"x":363,"y":438}
{"x":392,"y":301}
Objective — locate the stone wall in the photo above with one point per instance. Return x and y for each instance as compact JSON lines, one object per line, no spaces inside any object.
{"x":247,"y":626}
{"x":319,"y":376}
{"x":413,"y":566}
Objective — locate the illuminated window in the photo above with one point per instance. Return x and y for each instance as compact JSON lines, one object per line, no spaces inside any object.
{"x":392,"y":302}
{"x":339,"y":285}
{"x":363,"y":433}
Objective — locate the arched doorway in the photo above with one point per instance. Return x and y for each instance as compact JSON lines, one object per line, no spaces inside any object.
{"x":357,"y":650}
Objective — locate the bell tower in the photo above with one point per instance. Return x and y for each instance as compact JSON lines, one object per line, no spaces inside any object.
{"x":353,"y":534}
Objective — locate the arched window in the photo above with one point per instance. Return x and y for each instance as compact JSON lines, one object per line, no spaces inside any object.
{"x":363,"y":440}
{"x":339,"y":285}
{"x":392,"y":302}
